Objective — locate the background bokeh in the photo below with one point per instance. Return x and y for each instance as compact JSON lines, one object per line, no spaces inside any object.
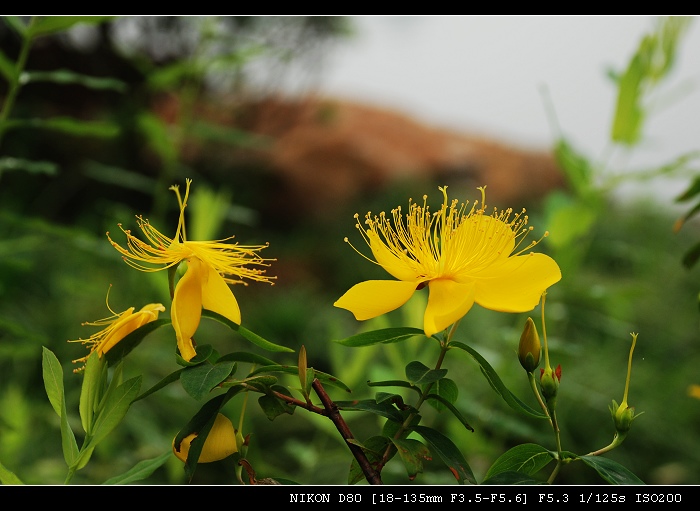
{"x":285,"y":148}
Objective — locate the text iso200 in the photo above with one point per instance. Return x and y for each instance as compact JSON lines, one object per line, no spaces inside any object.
{"x":643,"y":498}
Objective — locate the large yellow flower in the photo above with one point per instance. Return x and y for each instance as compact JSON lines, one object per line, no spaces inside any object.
{"x":211,"y":266}
{"x":463,"y":256}
{"x":117,"y":326}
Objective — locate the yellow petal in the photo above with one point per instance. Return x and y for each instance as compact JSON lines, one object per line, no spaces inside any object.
{"x":218,"y":297}
{"x":448,"y":302}
{"x":186,"y":310}
{"x":127,"y":323}
{"x":373,"y":298}
{"x":220,"y":443}
{"x":397,"y":265}
{"x":517,"y":284}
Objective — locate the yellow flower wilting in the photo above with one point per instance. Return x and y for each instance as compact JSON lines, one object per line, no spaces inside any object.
{"x":220,"y":443}
{"x":462,"y":254}
{"x":116,"y":327}
{"x":211,"y":266}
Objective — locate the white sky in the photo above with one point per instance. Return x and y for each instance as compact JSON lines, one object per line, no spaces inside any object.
{"x":485,"y":75}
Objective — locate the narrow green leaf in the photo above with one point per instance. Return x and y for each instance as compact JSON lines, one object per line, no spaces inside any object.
{"x":447,"y":404}
{"x":53,"y":379}
{"x":394,"y":383}
{"x":247,"y":334}
{"x":90,"y":390}
{"x":386,"y":335}
{"x":449,"y":453}
{"x":526,"y":458}
{"x":419,"y":374}
{"x":321,"y":376}
{"x":68,"y":77}
{"x":8,"y":477}
{"x":141,"y":470}
{"x":199,"y":381}
{"x":497,"y":385}
{"x":691,"y":191}
{"x":383,"y":409}
{"x":412,"y":453}
{"x":611,"y":471}
{"x":172,"y":377}
{"x":68,"y":443}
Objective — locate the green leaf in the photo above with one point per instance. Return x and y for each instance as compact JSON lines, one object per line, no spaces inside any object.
{"x":383,"y":409}
{"x":172,"y":377}
{"x":53,"y":379}
{"x":67,"y":77}
{"x":8,"y":477}
{"x":260,"y":383}
{"x":497,"y":385}
{"x":394,"y":383}
{"x":45,"y":25}
{"x":141,"y":470}
{"x":90,"y":390}
{"x":447,"y":390}
{"x":611,"y":471}
{"x":412,"y":453}
{"x":420,"y":374}
{"x":68,"y":125}
{"x":53,"y":383}
{"x":447,"y":404}
{"x":115,"y":408}
{"x":128,"y":343}
{"x":526,"y":458}
{"x":577,"y":168}
{"x":512,"y":478}
{"x":31,"y":166}
{"x":386,"y":335}
{"x":321,"y":376}
{"x":198,"y":381}
{"x":273,"y":406}
{"x":247,"y":334}
{"x":449,"y":453}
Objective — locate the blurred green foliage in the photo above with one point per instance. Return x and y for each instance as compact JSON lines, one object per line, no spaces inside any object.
{"x":621,"y":266}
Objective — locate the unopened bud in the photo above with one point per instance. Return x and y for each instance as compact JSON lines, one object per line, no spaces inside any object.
{"x":529,"y":348}
{"x":549,"y":382}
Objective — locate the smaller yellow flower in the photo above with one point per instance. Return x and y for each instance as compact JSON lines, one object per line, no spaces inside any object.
{"x":117,"y":326}
{"x":220,"y":443}
{"x":694,"y":391}
{"x":211,"y":266}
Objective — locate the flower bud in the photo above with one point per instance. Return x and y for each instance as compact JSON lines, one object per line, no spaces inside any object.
{"x":529,"y":348}
{"x":549,"y":382}
{"x":622,"y":416}
{"x":220,"y":443}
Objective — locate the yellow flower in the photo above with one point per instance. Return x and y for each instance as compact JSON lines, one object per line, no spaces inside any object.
{"x":220,"y":443}
{"x":117,"y":326}
{"x":211,"y":265}
{"x":463,"y":256}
